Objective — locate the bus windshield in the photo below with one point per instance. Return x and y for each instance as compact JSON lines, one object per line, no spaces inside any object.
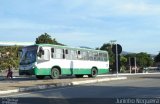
{"x":28,"y":55}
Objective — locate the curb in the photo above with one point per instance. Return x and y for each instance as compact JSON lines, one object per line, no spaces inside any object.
{"x":97,"y":80}
{"x":9,"y":91}
{"x":128,"y":74}
{"x":41,"y":87}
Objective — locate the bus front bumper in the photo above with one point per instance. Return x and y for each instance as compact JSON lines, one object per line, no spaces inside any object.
{"x":27,"y":72}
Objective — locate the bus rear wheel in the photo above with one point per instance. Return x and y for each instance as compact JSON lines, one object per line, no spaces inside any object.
{"x":55,"y":73}
{"x":40,"y":76}
{"x":94,"y":73}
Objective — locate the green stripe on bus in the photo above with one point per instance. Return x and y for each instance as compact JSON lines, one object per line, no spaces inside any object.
{"x":75,"y":71}
{"x":64,"y":71}
{"x":42,"y":71}
{"x":103,"y":71}
{"x":82,"y":71}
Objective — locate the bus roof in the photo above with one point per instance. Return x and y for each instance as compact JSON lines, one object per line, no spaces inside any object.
{"x":68,"y":47}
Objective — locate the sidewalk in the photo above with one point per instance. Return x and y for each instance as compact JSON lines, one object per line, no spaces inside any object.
{"x":14,"y":85}
{"x":4,"y":74}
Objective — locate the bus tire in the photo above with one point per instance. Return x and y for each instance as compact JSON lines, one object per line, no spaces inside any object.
{"x":55,"y":73}
{"x":94,"y":73}
{"x":79,"y":76}
{"x":40,"y":76}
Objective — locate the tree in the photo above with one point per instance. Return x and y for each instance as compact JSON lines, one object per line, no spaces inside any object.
{"x":130,"y":57}
{"x":46,"y":39}
{"x":108,"y":47}
{"x":144,"y":60}
{"x":8,"y":54}
{"x":157,"y":58}
{"x":8,"y":57}
{"x":123,"y":60}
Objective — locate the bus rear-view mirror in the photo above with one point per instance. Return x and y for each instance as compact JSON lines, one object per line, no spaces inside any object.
{"x":40,"y":53}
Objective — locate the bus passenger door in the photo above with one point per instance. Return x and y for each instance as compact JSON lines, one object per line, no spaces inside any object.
{"x":71,"y":67}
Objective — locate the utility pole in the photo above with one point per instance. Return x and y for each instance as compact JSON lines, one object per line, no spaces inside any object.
{"x":135,"y":64}
{"x":113,"y":42}
{"x":130,"y":65}
{"x":116,"y":60}
{"x":117,"y":49}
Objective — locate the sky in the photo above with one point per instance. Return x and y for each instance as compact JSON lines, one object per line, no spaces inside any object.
{"x":134,"y":24}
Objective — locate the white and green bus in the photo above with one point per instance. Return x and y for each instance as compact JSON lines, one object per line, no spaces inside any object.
{"x":53,"y":60}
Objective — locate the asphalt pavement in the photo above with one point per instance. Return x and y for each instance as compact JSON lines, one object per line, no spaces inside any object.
{"x":140,"y":86}
{"x":136,"y":89}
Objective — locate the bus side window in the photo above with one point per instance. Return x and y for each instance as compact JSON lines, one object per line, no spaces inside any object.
{"x":83,"y":55}
{"x":73,"y":54}
{"x":59,"y":53}
{"x":96,"y":56}
{"x":52,"y":52}
{"x":79,"y":56}
{"x":101,"y":56}
{"x":63,"y":53}
{"x":67,"y":54}
{"x":91,"y":56}
{"x":106,"y":57}
{"x":79,"y":52}
{"x":45,"y":56}
{"x":87,"y":55}
{"x":66,"y":51}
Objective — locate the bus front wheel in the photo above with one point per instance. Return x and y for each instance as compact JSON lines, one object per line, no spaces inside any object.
{"x":94,"y":73}
{"x":55,"y":73}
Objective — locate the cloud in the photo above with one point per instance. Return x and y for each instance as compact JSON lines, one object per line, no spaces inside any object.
{"x":138,"y":8}
{"x":16,"y":24}
{"x":82,"y":22}
{"x":99,"y":8}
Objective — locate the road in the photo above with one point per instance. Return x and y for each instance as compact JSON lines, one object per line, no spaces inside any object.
{"x":141,"y":86}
